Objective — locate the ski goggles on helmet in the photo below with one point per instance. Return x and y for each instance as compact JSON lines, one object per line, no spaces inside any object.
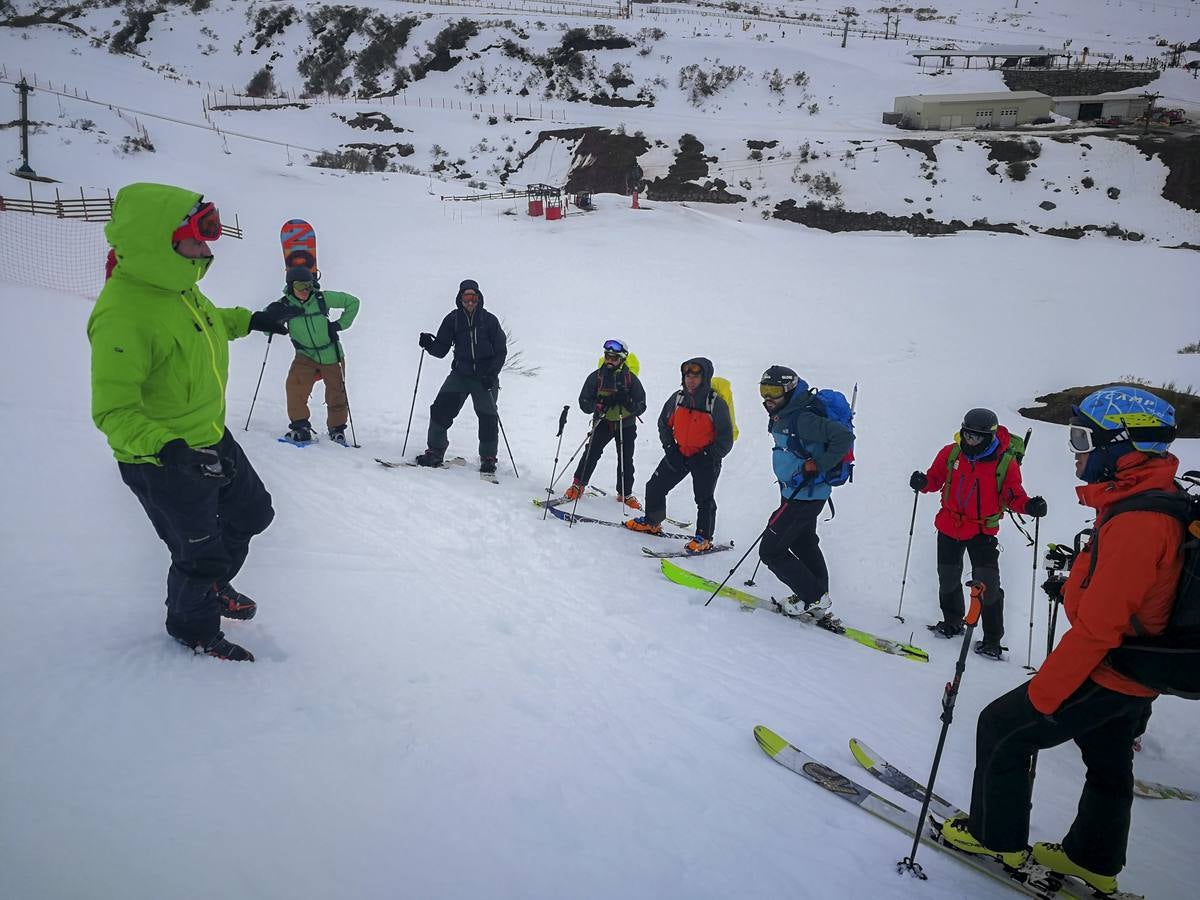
{"x":1083,"y":438}
{"x":771,"y":391}
{"x":615,"y":348}
{"x":691,"y":369}
{"x":202,"y":223}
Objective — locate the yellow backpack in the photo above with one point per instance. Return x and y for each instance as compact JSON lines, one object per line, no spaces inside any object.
{"x":631,"y":363}
{"x":725,"y":389}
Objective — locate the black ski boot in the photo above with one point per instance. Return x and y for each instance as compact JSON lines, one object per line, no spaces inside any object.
{"x":337,"y":434}
{"x":232,"y":604}
{"x":432,"y":458}
{"x":300,"y":431}
{"x":487,"y":465}
{"x":990,"y":649}
{"x":946,"y":630}
{"x":219,"y":647}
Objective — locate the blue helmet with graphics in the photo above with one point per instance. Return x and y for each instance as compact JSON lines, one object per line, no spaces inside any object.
{"x":1122,"y":413}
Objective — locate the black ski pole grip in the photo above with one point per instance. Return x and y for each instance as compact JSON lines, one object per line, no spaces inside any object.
{"x":562,"y":420}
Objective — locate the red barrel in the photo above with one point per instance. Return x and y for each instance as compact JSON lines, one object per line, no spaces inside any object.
{"x":535,"y":207}
{"x":553,"y":212}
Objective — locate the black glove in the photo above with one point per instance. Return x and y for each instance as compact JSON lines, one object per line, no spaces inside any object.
{"x":1053,"y":587}
{"x":203,"y":463}
{"x":600,"y":408}
{"x":425,"y":341}
{"x":274,"y":318}
{"x":1036,"y":507}
{"x":675,"y":459}
{"x":488,"y":381}
{"x":334,"y":328}
{"x":917,"y":481}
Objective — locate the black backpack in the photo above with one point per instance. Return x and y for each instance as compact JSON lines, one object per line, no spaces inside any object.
{"x":1169,"y":662}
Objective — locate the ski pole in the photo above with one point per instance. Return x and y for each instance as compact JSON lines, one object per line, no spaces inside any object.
{"x":420,"y":363}
{"x":749,"y":582}
{"x":775,"y":518}
{"x":620,"y":470}
{"x":349,"y":412}
{"x":500,"y":422}
{"x":567,"y":464}
{"x":1037,"y":524}
{"x":909,"y":863}
{"x":257,"y":386}
{"x":562,"y":422}
{"x":587,"y":443}
{"x":904,"y":578}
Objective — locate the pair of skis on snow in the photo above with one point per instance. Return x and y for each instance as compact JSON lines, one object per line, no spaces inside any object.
{"x":685,"y":578}
{"x":446,"y":464}
{"x":656,"y":554}
{"x":1032,"y":880}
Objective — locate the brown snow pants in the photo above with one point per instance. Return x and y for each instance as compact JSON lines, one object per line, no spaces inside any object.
{"x":300,"y":380}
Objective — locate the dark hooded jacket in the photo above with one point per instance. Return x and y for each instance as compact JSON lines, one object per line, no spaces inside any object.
{"x":478,"y":340}
{"x":699,"y":422}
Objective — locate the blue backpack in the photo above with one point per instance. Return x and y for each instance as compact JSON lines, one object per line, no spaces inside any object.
{"x":833,"y":405}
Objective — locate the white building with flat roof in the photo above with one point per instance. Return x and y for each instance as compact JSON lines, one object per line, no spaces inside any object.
{"x":993,"y":109}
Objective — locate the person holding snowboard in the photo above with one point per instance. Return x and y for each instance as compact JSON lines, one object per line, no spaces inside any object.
{"x":614,"y":397}
{"x":807,"y":445}
{"x":979,"y":476}
{"x":319,"y":354}
{"x":1123,"y":584}
{"x":480,"y":348}
{"x":696,"y":431}
{"x":160,"y":363}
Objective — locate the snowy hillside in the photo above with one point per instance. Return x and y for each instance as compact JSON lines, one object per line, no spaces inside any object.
{"x":454,"y":698}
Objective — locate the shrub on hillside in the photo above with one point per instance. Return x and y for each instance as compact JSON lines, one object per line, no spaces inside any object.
{"x":453,"y":37}
{"x":327,"y":57}
{"x":701,"y":84}
{"x":269,"y":22}
{"x":262,"y":83}
{"x":135,"y":29}
{"x":386,"y":37}
{"x":1017,"y":170}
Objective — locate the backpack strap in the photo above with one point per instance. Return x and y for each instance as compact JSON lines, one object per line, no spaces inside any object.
{"x":955,"y":452}
{"x":1002,"y":465}
{"x":1168,"y":503}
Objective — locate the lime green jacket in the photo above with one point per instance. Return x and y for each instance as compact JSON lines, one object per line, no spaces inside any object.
{"x":160,"y":349}
{"x":309,"y":331}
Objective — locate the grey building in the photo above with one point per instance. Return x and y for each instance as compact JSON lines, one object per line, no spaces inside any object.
{"x":1126,"y":107}
{"x":997,"y":109}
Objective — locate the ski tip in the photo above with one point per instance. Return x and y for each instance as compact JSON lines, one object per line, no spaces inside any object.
{"x":864,"y":755}
{"x":770,"y":742}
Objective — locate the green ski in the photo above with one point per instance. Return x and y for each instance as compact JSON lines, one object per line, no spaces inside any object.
{"x":682,"y":576}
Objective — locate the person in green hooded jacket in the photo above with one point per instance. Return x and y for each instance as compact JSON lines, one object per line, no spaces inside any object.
{"x":160,"y":364}
{"x":319,"y":354}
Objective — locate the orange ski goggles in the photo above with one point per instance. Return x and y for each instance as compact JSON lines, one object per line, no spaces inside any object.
{"x":203,"y":223}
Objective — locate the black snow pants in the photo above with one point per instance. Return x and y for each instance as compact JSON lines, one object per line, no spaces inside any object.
{"x":207,"y":527}
{"x":791,"y":549}
{"x":705,"y":470}
{"x":604,"y":432}
{"x":449,"y":402}
{"x":1103,"y":723}
{"x":984,"y":552}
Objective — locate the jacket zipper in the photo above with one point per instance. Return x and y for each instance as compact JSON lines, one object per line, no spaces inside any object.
{"x":212,"y":352}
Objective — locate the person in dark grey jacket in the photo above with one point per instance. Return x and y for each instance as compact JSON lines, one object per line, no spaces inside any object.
{"x":480,"y":349}
{"x":696,"y":431}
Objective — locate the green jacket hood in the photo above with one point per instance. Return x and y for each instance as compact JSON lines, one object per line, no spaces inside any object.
{"x":144,"y":217}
